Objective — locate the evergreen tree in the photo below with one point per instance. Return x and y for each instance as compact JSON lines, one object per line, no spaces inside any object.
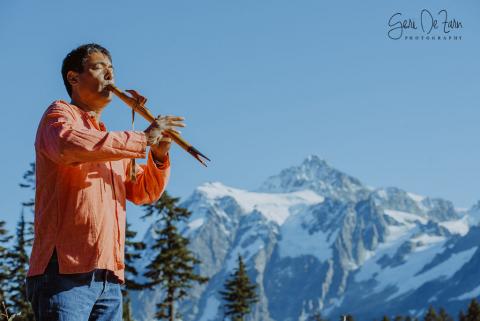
{"x":347,"y":317}
{"x":316,"y":316}
{"x":173,"y":266}
{"x":385,"y":318}
{"x":444,"y":316}
{"x":4,"y":255}
{"x":29,"y":183}
{"x":18,"y":266}
{"x":431,"y":315}
{"x":473,"y":313}
{"x":14,"y":261}
{"x":398,"y":318}
{"x":126,"y":313}
{"x":132,"y":253}
{"x":462,"y":316}
{"x":239,"y":294}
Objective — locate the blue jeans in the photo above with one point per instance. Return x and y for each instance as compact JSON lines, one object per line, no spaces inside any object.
{"x":90,"y":296}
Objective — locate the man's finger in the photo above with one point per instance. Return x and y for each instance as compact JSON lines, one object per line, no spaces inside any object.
{"x":132,"y":92}
{"x":173,"y":130}
{"x":166,"y":139}
{"x":176,"y":124}
{"x":136,"y":95}
{"x":170,"y":117}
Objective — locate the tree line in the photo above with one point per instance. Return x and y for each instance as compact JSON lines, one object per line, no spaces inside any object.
{"x":472,"y":314}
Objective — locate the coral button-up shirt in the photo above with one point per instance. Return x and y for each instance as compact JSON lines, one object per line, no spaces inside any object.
{"x":82,"y":188}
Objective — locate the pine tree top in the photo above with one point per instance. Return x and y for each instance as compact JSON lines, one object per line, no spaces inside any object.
{"x":240,"y":293}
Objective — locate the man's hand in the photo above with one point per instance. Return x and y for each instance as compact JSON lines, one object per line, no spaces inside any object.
{"x":157,"y":135}
{"x":157,"y":129}
{"x":160,"y":150}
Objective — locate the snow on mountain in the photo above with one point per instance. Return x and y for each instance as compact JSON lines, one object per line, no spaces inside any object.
{"x":473,"y":214}
{"x":470,"y":294}
{"x":460,"y":226}
{"x":315,"y":239}
{"x":296,"y":240}
{"x":275,"y":207}
{"x":407,"y":275}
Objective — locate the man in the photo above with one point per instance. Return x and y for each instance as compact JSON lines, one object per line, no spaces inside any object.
{"x":77,"y":261}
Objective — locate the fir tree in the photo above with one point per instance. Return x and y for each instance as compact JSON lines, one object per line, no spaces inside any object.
{"x":443,"y":315}
{"x":126,"y":313}
{"x":239,"y":294}
{"x":29,"y":183}
{"x":173,"y":266}
{"x":4,"y":255}
{"x":347,"y":317}
{"x":15,"y":261}
{"x":473,"y":313}
{"x":385,"y":318}
{"x":398,"y":318}
{"x":316,"y":316}
{"x":462,"y":316}
{"x":431,"y":315}
{"x":18,"y":266}
{"x":132,"y":253}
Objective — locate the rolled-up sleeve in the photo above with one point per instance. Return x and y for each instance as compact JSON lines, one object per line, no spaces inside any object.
{"x":150,"y":182}
{"x":64,"y":141}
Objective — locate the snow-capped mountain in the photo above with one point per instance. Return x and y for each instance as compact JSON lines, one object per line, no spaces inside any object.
{"x":316,"y":239}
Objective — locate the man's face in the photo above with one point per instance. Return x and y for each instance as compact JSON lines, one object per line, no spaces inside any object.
{"x":89,"y":86}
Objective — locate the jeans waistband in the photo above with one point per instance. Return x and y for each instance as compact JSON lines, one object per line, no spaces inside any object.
{"x":98,"y":274}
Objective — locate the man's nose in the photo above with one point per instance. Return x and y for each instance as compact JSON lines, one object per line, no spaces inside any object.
{"x":108,"y":74}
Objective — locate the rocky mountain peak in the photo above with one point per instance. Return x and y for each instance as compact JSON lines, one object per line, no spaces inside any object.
{"x":317,"y":175}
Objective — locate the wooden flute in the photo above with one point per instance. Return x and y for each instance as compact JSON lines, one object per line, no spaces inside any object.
{"x":145,"y":113}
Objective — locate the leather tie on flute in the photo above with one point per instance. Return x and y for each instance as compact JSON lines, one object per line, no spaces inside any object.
{"x":145,"y":113}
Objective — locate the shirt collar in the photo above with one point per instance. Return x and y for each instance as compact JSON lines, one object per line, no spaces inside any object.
{"x":90,"y":115}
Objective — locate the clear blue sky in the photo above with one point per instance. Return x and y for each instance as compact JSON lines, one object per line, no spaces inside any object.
{"x":262,"y":84}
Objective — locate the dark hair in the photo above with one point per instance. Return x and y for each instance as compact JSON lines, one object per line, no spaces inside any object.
{"x":76,"y":58}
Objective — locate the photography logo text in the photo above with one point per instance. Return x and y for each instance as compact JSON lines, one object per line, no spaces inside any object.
{"x":426,"y":25}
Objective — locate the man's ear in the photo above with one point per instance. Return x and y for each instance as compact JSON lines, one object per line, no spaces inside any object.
{"x":72,"y":77}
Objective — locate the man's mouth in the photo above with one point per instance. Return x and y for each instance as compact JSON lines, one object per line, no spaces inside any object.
{"x":105,"y":87}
